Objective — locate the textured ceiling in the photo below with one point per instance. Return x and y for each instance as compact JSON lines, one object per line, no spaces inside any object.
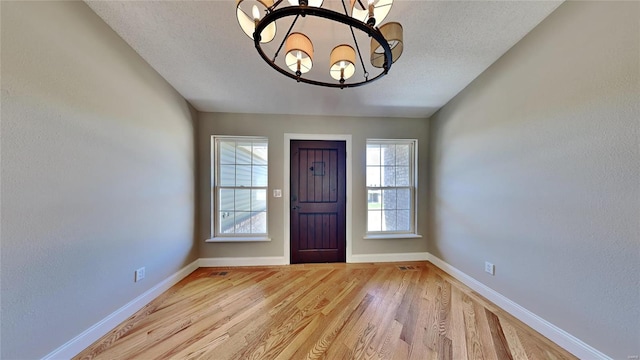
{"x":199,"y":48}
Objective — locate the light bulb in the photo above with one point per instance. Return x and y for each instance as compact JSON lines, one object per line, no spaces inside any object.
{"x":299,"y":55}
{"x":255,"y":12}
{"x":371,"y":2}
{"x":342,"y":64}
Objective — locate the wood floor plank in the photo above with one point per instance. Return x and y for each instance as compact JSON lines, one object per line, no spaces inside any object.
{"x":499,"y":342}
{"x":474,"y":346}
{"x":388,"y":346}
{"x":401,"y":351}
{"x":432,"y":331}
{"x":322,"y":311}
{"x":444,"y":309}
{"x":486,"y":340}
{"x":513,"y":340}
{"x":445,"y":348}
{"x":408,"y":312}
{"x":331,"y":326}
{"x":458,"y":331}
{"x":386,"y":322}
{"x":417,"y":346}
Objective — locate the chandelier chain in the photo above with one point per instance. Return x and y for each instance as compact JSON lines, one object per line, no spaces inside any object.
{"x":366,"y":73}
{"x":285,"y":37}
{"x":270,"y":8}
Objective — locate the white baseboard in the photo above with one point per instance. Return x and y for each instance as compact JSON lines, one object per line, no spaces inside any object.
{"x":366,"y":258}
{"x":243,"y":261}
{"x":552,"y":332}
{"x":74,"y":346}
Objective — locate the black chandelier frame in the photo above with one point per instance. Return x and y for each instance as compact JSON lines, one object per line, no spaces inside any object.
{"x":303,"y":10}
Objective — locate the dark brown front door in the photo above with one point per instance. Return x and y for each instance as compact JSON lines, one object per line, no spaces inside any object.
{"x":318,"y":201}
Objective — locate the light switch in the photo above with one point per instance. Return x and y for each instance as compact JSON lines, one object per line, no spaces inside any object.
{"x":277,"y":193}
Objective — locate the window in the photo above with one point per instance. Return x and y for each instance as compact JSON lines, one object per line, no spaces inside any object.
{"x":239,"y":192}
{"x":391,"y":187}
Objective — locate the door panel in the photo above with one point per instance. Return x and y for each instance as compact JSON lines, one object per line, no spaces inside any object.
{"x":318,"y":201}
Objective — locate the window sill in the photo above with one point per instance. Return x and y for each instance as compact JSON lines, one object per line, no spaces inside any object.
{"x":392,"y":236}
{"x":220,"y":239}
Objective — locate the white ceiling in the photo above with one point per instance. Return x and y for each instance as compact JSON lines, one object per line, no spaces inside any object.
{"x":199,"y":48}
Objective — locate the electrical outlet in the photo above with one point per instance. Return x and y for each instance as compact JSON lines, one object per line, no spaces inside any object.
{"x":489,"y":268}
{"x":277,"y":193}
{"x":139,"y":275}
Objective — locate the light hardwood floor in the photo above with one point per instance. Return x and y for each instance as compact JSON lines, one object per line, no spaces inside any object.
{"x":325,"y":311}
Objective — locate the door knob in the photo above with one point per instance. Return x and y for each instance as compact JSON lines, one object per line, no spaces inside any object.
{"x":295,"y":207}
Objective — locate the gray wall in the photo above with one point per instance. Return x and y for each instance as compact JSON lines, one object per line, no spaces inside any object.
{"x":97,"y":175}
{"x":274,"y":127}
{"x":536,"y":169}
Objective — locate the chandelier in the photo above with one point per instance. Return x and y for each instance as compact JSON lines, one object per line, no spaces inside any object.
{"x":259,"y":19}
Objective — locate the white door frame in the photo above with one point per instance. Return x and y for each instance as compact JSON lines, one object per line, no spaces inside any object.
{"x":287,"y":186}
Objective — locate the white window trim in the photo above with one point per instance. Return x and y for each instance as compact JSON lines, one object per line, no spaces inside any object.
{"x":373,"y":236}
{"x":220,"y":239}
{"x":413,"y":233}
{"x":212,"y":229}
